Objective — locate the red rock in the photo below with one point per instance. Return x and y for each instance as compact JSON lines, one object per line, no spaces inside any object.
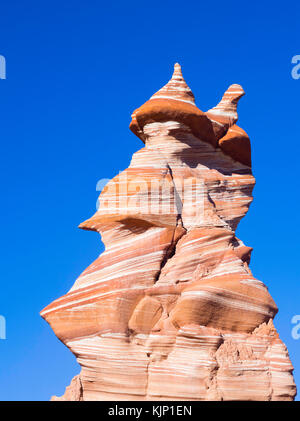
{"x":224,"y":115}
{"x":171,"y":309}
{"x":173,"y":102}
{"x":236,"y":143}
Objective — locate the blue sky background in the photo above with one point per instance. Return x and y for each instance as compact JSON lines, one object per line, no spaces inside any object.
{"x":75,"y":72}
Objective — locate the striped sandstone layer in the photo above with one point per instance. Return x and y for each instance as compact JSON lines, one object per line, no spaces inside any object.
{"x":171,"y":309}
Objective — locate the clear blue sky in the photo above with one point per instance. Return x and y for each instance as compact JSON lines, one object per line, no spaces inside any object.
{"x":75,"y":72}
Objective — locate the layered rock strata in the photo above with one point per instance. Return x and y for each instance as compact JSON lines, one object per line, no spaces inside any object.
{"x":171,"y":309}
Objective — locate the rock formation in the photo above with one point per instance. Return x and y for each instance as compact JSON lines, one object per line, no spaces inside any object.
{"x":171,"y":309}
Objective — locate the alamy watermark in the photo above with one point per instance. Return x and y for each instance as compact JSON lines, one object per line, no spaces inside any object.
{"x":296,"y":329}
{"x":296,"y":69}
{"x":141,"y":193}
{"x":2,"y":67}
{"x":2,"y":318}
{"x":2,"y":327}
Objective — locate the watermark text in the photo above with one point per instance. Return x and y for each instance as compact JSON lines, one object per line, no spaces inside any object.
{"x":296,"y":69}
{"x":2,"y":327}
{"x":2,"y":67}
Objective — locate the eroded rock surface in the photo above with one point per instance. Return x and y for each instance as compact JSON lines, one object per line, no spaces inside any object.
{"x":171,"y":309}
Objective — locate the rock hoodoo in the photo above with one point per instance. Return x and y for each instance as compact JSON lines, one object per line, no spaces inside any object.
{"x":171,"y":309}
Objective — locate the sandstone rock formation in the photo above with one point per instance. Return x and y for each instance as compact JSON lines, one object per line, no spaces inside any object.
{"x":171,"y":309}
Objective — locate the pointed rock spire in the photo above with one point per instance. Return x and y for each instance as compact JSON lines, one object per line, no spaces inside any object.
{"x":175,"y":102}
{"x":176,"y":88}
{"x":226,"y":111}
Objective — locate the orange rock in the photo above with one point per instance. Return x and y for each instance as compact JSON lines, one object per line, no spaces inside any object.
{"x":236,"y":143}
{"x":224,"y":115}
{"x":170,"y":310}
